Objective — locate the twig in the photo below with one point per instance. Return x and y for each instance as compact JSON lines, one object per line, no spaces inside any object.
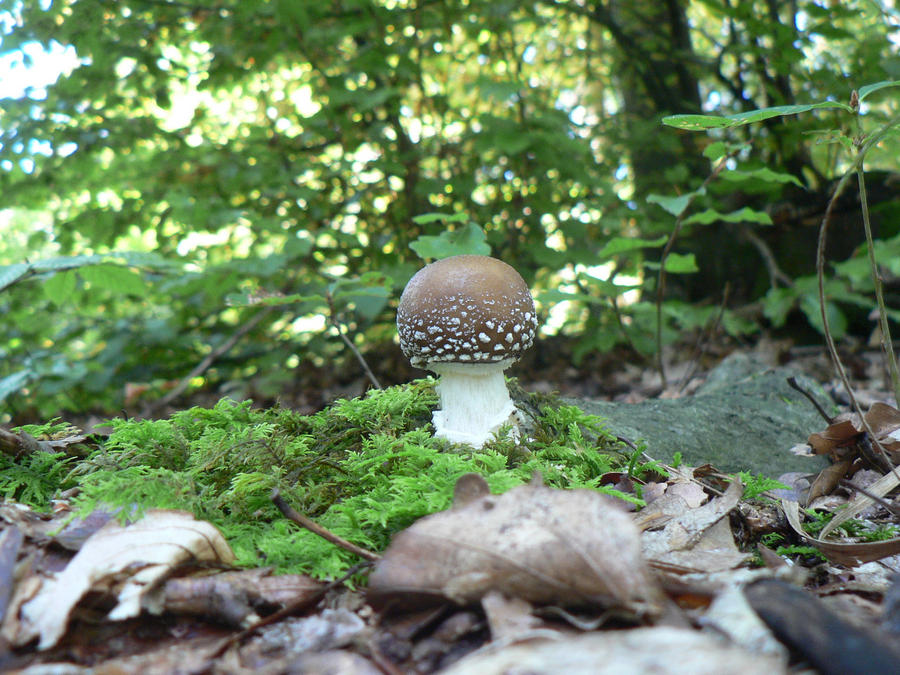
{"x":16,"y":445}
{"x":293,"y":515}
{"x":775,"y":273}
{"x":704,"y":339}
{"x":792,"y":381}
{"x":202,"y":367}
{"x":288,"y":610}
{"x":332,"y":319}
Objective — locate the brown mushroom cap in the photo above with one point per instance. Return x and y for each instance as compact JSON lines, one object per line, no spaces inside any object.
{"x":466,"y":309}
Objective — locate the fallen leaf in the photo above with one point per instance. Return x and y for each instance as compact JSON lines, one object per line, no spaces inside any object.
{"x":697,"y":539}
{"x":542,"y":545}
{"x":846,"y":429}
{"x":844,"y":553}
{"x":509,"y":618}
{"x":141,"y":553}
{"x":640,"y":651}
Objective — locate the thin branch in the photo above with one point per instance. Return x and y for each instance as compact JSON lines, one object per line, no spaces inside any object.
{"x":204,"y":365}
{"x":792,"y":382}
{"x":850,"y":485}
{"x":286,"y":611}
{"x":295,"y":516}
{"x":775,"y":273}
{"x":704,"y":339}
{"x":332,"y":319}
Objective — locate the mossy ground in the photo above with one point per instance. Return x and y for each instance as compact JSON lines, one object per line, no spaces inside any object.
{"x":364,"y":468}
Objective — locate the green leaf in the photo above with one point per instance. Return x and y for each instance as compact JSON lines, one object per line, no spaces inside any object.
{"x":257,"y":300}
{"x":744,"y":215}
{"x":12,"y":383}
{"x":674,"y":205}
{"x":428,"y":218}
{"x":10,"y":274}
{"x":777,"y":303}
{"x":872,"y":88}
{"x":837,"y":320}
{"x":715,"y":151}
{"x":66,"y":263}
{"x":618,"y":245}
{"x":765,"y":174}
{"x":468,"y":239}
{"x":699,"y":122}
{"x":60,"y":286}
{"x":677,"y":263}
{"x":114,"y":278}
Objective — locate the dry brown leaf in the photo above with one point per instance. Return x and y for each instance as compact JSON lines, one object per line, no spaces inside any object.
{"x":640,"y":651}
{"x":828,"y":479}
{"x":141,"y":553}
{"x":883,"y":420}
{"x":698,"y":539}
{"x":548,"y":546}
{"x":845,"y":553}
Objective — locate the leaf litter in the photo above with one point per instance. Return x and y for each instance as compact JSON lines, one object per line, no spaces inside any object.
{"x":535,"y":578}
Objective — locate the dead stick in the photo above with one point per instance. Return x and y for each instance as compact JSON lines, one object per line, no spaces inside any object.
{"x":288,"y":610}
{"x":291,"y":514}
{"x":792,"y":381}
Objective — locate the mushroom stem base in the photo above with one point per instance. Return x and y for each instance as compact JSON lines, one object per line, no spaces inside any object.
{"x":474,"y":401}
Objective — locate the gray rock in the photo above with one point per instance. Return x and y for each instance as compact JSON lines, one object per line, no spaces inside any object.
{"x":744,"y":418}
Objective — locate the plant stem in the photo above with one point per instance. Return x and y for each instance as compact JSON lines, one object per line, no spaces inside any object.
{"x":887,"y":346}
{"x":874,"y":139}
{"x":661,"y":278}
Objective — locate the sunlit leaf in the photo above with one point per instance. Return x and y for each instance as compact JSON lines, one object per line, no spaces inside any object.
{"x":467,"y":239}
{"x":114,"y":278}
{"x":618,"y":245}
{"x":60,"y":286}
{"x":428,"y":218}
{"x":699,"y":122}
{"x":678,"y":263}
{"x":267,"y":300}
{"x":674,"y":205}
{"x":764,"y":174}
{"x":878,"y":86}
{"x":10,"y":274}
{"x":65,"y":263}
{"x":744,"y":215}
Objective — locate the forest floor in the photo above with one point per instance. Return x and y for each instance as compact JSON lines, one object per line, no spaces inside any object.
{"x":707,"y":576}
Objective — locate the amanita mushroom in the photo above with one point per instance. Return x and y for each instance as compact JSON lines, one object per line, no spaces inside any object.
{"x":467,"y":318}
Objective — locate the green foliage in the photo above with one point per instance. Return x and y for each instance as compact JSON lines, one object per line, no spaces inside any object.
{"x":754,"y":486}
{"x":195,"y":168}
{"x":34,"y":478}
{"x":469,"y":238}
{"x":364,"y":468}
{"x":774,"y":540}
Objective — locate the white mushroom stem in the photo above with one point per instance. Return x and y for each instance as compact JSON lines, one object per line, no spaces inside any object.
{"x":474,"y":401}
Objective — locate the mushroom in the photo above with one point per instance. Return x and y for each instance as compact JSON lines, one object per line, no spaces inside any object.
{"x":467,"y":318}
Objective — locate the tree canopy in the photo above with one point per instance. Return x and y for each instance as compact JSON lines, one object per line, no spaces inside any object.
{"x":242,"y":184}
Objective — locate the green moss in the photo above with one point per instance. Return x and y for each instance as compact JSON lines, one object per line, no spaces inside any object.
{"x":364,"y":468}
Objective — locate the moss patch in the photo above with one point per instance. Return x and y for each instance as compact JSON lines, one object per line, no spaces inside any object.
{"x":364,"y":468}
